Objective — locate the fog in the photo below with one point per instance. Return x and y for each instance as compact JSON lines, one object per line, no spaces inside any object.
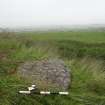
{"x":20,"y":13}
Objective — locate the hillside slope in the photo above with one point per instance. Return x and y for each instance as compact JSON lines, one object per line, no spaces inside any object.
{"x":83,"y":52}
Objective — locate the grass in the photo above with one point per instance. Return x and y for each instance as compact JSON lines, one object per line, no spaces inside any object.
{"x":87,"y":37}
{"x":83,"y":53}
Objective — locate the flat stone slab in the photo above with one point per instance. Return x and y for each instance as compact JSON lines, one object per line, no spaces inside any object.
{"x":51,"y":71}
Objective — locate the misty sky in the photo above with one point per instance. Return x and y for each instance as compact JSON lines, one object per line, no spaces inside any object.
{"x":16,"y":13}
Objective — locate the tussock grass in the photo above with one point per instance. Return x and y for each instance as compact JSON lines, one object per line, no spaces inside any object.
{"x":83,"y":53}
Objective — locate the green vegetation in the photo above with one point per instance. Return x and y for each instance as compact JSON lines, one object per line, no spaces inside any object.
{"x":83,"y":53}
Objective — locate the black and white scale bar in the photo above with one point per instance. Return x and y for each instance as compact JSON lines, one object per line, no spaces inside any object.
{"x":45,"y":93}
{"x":33,"y":88}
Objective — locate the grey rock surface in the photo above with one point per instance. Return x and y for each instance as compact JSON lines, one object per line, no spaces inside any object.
{"x":50,"y":70}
